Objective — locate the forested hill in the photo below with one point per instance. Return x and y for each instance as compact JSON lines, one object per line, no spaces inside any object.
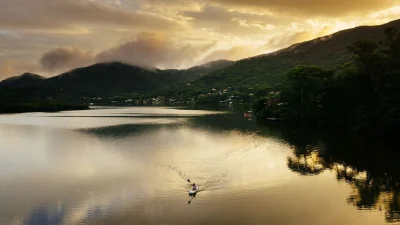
{"x":269,"y":70}
{"x":24,"y":80}
{"x":197,"y":72}
{"x":114,"y":78}
{"x":363,"y":94}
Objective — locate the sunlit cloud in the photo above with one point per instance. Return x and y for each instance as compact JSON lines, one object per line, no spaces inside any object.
{"x":65,"y":58}
{"x":192,"y":31}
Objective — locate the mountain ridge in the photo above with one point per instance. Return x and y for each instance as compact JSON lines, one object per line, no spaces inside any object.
{"x":115,"y":77}
{"x":264,"y":71}
{"x":270,"y":69}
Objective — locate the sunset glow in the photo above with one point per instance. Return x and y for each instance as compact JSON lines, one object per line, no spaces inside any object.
{"x":48,"y":37}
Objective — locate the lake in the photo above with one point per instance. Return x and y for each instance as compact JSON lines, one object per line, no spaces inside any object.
{"x":131,"y":165}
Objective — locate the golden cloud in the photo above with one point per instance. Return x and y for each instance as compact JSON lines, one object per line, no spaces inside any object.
{"x":154,"y":50}
{"x":307,"y":8}
{"x":75,"y":15}
{"x":60,"y":59}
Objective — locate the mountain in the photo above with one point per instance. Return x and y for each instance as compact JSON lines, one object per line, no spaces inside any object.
{"x":270,"y":69}
{"x":260,"y":72}
{"x":202,"y":70}
{"x":24,"y":80}
{"x":199,"y":71}
{"x":114,"y":78}
{"x":107,"y":78}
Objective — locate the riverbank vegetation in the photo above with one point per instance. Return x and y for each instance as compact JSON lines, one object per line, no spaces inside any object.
{"x":39,"y":107}
{"x":363,"y":94}
{"x":35,"y":100}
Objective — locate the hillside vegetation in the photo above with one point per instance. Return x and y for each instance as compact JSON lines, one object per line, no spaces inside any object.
{"x":74,"y":89}
{"x":268,"y":71}
{"x":363,"y":94}
{"x":108,"y":79}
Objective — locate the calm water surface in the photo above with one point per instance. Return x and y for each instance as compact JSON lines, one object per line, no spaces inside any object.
{"x":130,"y":165}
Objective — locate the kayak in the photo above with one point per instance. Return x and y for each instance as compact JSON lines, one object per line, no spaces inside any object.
{"x":192,"y":192}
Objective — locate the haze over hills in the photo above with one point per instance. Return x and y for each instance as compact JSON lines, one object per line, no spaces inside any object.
{"x":197,"y":72}
{"x":270,"y":69}
{"x":256,"y":72}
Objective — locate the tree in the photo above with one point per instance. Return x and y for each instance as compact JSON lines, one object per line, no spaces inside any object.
{"x":371,"y":62}
{"x":303,"y":90}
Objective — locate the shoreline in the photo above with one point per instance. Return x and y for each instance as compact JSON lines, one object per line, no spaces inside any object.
{"x":25,"y":108}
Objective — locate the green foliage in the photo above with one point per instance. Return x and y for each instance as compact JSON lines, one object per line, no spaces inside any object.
{"x":114,"y":79}
{"x":39,"y":106}
{"x":269,"y":70}
{"x":363,"y":94}
{"x":304,"y":90}
{"x":259,"y":104}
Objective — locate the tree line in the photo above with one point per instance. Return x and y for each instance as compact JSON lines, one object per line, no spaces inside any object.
{"x":363,"y":94}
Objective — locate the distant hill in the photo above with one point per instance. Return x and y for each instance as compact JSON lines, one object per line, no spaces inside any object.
{"x":108,"y":78}
{"x":24,"y":80}
{"x":202,"y":70}
{"x":196,"y":72}
{"x":114,"y":78}
{"x":270,"y":69}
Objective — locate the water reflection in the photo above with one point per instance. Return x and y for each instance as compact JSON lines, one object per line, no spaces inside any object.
{"x":370,"y":167}
{"x":44,"y":216}
{"x":119,"y":170}
{"x":374,"y":179}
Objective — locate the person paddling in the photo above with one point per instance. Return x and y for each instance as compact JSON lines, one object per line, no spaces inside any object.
{"x":194,"y":187}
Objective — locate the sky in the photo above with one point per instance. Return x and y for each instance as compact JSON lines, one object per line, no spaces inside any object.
{"x":48,"y":37}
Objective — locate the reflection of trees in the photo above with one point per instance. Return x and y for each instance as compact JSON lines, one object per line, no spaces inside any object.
{"x":372,"y":191}
{"x":306,"y":161}
{"x":371,"y":170}
{"x":373,"y":187}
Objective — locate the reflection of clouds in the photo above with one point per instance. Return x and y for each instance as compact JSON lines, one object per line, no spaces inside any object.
{"x":93,"y":176}
{"x":102,"y":117}
{"x":139,"y":174}
{"x":90,"y":209}
{"x":76,"y":122}
{"x":43,"y":216}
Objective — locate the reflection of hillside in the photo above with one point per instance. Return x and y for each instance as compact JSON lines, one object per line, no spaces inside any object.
{"x":370,"y":167}
{"x":124,"y":130}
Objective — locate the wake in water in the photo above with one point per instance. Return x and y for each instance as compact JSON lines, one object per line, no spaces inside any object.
{"x":212,"y":173}
{"x":205,"y":183}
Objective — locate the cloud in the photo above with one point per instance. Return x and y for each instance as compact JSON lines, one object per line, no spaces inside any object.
{"x":75,"y":16}
{"x":234,"y":53}
{"x":224,"y":21}
{"x":326,"y":8}
{"x":155,"y":50}
{"x":61,"y":59}
{"x":287,"y":39}
{"x":6,"y":70}
{"x":167,"y":33}
{"x":10,"y":68}
{"x":147,"y":50}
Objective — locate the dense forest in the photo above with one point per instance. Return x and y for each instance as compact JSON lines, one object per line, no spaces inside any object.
{"x":362,"y":94}
{"x":17,"y":100}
